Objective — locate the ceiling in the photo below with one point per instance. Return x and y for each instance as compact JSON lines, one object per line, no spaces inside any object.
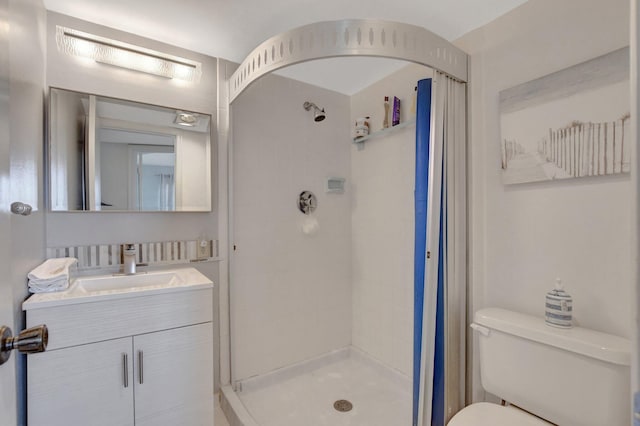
{"x":230,"y":29}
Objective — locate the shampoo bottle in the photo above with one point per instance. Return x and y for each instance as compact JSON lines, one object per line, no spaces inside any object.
{"x":385,"y":121}
{"x":395,"y":119}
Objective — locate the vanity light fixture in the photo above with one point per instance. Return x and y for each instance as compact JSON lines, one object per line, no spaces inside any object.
{"x":124,"y":55}
{"x":186,"y":119}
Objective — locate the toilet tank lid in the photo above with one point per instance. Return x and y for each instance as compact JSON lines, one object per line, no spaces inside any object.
{"x":591,"y":343}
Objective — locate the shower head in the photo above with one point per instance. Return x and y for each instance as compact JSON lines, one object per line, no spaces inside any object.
{"x":318,"y":114}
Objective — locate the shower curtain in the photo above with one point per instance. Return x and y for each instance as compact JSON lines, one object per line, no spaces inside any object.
{"x":440,"y":251}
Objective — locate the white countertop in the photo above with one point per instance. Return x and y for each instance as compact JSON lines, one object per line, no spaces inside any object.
{"x":94,"y":288}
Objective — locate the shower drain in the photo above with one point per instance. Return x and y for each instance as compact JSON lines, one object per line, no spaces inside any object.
{"x":342,"y":405}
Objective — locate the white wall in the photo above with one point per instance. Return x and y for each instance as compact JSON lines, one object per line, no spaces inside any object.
{"x":74,"y":73}
{"x":192,"y":148}
{"x":524,"y":236}
{"x":290,"y":292}
{"x":382,"y":223}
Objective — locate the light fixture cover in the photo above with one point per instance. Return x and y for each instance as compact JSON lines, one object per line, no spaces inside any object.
{"x":113,"y":52}
{"x":186,"y":119}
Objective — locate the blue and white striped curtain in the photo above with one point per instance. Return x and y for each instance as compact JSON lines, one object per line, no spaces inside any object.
{"x":440,"y":251}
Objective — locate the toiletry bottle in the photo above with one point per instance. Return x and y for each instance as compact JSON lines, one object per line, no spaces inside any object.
{"x":395,"y":119}
{"x":414,"y":101}
{"x":385,"y":121}
{"x":362,"y":127}
{"x":558,"y":307}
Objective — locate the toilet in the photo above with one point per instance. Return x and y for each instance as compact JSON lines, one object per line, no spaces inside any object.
{"x":547,"y":375}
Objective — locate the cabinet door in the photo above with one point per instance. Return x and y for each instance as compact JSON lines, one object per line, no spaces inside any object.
{"x":82,"y":385}
{"x":174,"y":377}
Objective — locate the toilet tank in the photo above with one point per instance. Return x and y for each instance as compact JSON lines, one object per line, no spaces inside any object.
{"x":569,"y":377}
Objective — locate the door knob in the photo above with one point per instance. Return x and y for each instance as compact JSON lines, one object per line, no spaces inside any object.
{"x":29,"y":341}
{"x":21,"y":208}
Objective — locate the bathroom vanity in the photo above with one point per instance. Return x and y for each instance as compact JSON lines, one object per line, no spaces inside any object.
{"x":124,"y":350}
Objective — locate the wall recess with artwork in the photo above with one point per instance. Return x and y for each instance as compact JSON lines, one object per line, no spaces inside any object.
{"x":572,"y":123}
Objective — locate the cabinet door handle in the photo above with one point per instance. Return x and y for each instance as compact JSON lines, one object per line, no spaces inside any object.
{"x":125,"y":370}
{"x":140,"y":366}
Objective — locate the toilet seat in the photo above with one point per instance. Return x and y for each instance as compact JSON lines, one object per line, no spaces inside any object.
{"x":487,"y":414}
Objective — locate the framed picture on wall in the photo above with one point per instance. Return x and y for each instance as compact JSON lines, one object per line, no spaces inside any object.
{"x":569,"y":124}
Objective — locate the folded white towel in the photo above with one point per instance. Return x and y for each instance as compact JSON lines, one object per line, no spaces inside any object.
{"x":52,"y":275}
{"x":52,"y":269}
{"x":58,"y":285}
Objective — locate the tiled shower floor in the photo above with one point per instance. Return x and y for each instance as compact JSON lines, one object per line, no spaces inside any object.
{"x":380,"y":397}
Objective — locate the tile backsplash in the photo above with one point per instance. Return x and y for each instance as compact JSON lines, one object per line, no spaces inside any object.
{"x":152,"y":253}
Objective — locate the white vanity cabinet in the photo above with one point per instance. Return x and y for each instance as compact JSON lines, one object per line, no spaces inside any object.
{"x":81,"y":385}
{"x":174,"y":377}
{"x":143,"y":360}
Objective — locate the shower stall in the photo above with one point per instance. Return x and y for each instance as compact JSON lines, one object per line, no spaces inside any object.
{"x":322,"y":281}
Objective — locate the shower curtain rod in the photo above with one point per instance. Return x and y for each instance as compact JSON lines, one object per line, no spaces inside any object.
{"x":349,"y":37}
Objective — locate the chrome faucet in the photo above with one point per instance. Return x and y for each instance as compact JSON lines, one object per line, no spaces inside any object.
{"x":129,"y":259}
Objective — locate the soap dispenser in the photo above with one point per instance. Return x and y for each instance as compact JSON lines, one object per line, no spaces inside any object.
{"x":558,"y":307}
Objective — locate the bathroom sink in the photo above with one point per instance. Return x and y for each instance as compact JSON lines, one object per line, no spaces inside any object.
{"x":126,"y":282}
{"x":117,"y":286}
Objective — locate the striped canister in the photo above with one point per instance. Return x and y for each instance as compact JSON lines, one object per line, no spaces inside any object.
{"x":558,"y":307}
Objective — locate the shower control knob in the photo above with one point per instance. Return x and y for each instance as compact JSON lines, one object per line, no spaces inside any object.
{"x":29,"y":341}
{"x":307,"y":202}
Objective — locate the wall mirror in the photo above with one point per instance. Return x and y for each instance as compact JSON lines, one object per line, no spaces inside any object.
{"x":108,"y":154}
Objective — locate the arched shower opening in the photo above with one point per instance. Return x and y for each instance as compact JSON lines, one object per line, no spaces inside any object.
{"x":440,"y":234}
